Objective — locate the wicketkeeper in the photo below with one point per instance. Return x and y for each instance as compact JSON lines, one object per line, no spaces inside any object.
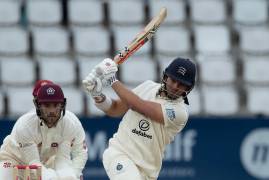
{"x":50,"y":137}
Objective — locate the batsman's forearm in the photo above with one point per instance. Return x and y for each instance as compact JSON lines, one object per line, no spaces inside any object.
{"x":133,"y":101}
{"x":117,"y":109}
{"x":149,"y":109}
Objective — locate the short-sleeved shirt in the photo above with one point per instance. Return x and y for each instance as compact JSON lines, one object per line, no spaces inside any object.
{"x":144,"y":139}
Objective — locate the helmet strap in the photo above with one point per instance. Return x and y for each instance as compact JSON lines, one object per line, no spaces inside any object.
{"x":64,"y":105}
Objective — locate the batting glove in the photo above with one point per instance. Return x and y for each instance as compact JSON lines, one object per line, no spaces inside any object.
{"x":92,"y":85}
{"x":106,"y":71}
{"x":108,"y":66}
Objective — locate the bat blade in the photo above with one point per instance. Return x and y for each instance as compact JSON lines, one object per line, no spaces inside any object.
{"x":141,"y":38}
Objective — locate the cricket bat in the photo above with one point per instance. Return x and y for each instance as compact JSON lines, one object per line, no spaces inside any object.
{"x":141,"y":38}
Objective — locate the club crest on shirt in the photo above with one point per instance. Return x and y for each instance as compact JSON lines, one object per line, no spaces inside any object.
{"x":170,"y":114}
{"x":119,"y":166}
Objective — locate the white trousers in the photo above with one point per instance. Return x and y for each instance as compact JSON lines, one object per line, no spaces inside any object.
{"x":118,"y":166}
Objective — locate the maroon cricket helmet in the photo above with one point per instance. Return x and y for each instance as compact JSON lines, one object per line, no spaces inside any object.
{"x":50,"y":93}
{"x":38,"y":84}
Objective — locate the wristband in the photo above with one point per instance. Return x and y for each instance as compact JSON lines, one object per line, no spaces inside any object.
{"x":104,"y":105}
{"x":112,"y":80}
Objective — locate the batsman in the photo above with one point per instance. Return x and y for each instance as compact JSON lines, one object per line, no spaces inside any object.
{"x":153,"y":113}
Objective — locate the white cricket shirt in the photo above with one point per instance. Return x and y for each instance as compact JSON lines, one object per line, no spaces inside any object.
{"x":143,"y":139}
{"x":28,"y":129}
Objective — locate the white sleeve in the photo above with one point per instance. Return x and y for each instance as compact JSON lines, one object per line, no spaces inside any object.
{"x":30,"y":153}
{"x":175,"y":116}
{"x":79,"y":151}
{"x":26,"y":143}
{"x":75,"y":134}
{"x":63,"y":163}
{"x":79,"y":156}
{"x":175,"y":119}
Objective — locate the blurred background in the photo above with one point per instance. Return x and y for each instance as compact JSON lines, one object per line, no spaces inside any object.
{"x":61,"y":40}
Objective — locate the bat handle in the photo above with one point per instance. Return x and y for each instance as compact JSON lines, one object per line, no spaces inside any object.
{"x":118,"y":60}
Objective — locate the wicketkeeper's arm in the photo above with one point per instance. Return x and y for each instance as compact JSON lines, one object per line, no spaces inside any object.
{"x":63,"y":163}
{"x":79,"y":151}
{"x":30,"y":156}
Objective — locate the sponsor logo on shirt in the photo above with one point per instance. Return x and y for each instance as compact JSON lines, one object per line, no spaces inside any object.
{"x":6,"y":165}
{"x":170,"y":114}
{"x":143,"y":126}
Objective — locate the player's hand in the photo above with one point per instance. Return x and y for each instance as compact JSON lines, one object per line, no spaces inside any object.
{"x":89,"y":82}
{"x":107,"y":66}
{"x":92,"y":85}
{"x":106,"y":71}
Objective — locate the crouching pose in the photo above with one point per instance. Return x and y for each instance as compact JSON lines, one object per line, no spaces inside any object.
{"x":153,"y":113}
{"x":50,"y":137}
